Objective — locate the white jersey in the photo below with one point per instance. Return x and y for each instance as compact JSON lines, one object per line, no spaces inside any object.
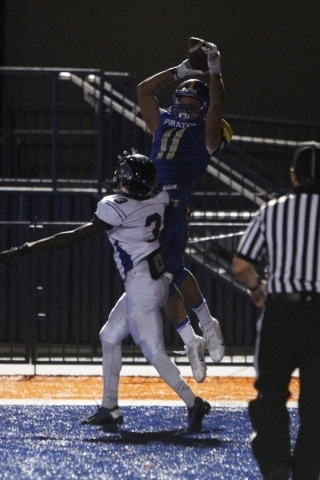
{"x":136,"y":226}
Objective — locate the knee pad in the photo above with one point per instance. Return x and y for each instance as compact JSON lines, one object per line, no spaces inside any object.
{"x":114,"y":333}
{"x":149,"y":349}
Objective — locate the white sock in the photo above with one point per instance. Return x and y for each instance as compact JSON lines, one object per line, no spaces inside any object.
{"x":203,"y":313}
{"x":186,"y":331}
{"x":111,"y":367}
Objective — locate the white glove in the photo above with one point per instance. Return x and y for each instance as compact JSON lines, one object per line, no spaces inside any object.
{"x":184,"y":69}
{"x":213,"y":58}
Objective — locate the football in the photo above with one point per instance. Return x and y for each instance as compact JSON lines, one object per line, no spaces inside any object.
{"x":197,"y":58}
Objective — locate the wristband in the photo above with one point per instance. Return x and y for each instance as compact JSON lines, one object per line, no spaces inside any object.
{"x":174,"y":72}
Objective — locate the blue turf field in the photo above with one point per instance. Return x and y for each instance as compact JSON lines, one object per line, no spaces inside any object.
{"x":41,"y":442}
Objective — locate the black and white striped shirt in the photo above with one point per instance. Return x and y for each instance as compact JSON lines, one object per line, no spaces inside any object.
{"x":287,"y":232}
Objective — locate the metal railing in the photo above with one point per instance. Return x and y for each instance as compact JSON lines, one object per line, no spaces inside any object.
{"x":61,"y":132}
{"x":55,"y":302}
{"x":63,"y":127}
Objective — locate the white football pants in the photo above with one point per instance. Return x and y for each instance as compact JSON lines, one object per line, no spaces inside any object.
{"x":137,"y":312}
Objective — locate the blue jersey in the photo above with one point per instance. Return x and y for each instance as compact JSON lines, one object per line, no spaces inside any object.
{"x":179,"y":150}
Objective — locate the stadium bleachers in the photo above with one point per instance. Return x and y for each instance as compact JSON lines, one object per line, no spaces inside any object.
{"x":61,"y":133}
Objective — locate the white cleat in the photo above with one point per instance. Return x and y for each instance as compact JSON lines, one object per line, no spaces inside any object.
{"x":195,"y":352}
{"x":214,"y":340}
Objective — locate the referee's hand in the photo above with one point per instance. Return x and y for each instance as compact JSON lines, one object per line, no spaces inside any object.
{"x":259,"y":295}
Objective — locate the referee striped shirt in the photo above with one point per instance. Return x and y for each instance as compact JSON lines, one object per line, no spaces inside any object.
{"x":287,"y":232}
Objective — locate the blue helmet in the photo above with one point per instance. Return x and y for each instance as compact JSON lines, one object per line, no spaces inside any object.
{"x":190,"y":88}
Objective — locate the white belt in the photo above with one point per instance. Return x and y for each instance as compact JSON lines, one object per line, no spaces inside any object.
{"x":143,"y":267}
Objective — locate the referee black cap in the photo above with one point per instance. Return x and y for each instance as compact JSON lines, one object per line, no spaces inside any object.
{"x":306,"y":162}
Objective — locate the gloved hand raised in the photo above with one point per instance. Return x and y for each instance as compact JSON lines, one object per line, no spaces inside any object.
{"x":213,"y":56}
{"x":9,"y":257}
{"x":184,"y":69}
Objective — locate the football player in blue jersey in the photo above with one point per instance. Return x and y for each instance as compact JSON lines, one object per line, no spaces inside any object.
{"x":133,"y":220}
{"x":184,"y":138}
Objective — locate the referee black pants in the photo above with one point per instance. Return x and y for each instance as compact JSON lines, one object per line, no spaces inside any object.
{"x":288,"y":338}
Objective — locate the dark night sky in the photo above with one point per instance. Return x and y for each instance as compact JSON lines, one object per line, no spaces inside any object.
{"x":269,"y":49}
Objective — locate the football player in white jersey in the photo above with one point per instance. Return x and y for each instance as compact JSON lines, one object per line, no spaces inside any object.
{"x":133,"y":220}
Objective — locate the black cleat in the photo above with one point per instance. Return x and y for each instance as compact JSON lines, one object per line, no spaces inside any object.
{"x":105,"y":416}
{"x":196,"y":414}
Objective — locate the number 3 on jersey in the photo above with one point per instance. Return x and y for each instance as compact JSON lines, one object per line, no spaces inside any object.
{"x":156,"y":219}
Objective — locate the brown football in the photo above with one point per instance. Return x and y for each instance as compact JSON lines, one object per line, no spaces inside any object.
{"x":197,"y":58}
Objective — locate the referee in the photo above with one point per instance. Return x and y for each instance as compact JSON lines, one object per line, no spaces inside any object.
{"x":286,"y":232}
